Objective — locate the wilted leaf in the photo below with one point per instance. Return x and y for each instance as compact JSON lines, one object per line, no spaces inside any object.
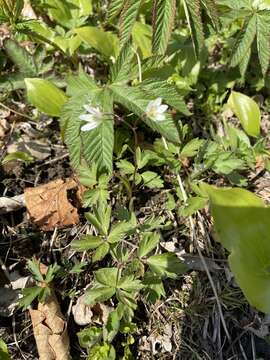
{"x":247,"y":111}
{"x":49,"y":207}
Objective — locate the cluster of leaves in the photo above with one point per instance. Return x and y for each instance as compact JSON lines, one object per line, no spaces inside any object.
{"x":146,"y":59}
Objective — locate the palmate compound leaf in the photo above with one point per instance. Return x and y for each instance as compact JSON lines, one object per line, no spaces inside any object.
{"x":136,"y":100}
{"x":95,"y":146}
{"x":163,"y":21}
{"x":242,"y":225}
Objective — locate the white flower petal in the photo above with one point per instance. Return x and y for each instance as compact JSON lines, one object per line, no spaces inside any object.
{"x":150,"y":107}
{"x":95,"y":111}
{"x":157,"y":102}
{"x":162,"y":108}
{"x":90,"y":126}
{"x":160,"y":117}
{"x":86,"y":117}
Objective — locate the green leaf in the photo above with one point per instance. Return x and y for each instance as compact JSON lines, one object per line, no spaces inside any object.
{"x":148,"y":243}
{"x":242,"y":225}
{"x":88,"y":175}
{"x":153,"y":287}
{"x":244,"y":41}
{"x":152,"y":180}
{"x":128,"y":18}
{"x":194,"y":18}
{"x":194,"y":204}
{"x":263,"y":41}
{"x":191,"y":148}
{"x":76,"y":84}
{"x":98,"y":143}
{"x":107,"y":276}
{"x":163,"y":21}
{"x":96,"y":223}
{"x":87,"y":242}
{"x":136,"y":100}
{"x":166,"y":265}
{"x":45,"y":96}
{"x":102,"y":352}
{"x":29,"y":295}
{"x":141,"y":35}
{"x":89,"y":337}
{"x":129,"y":284}
{"x":118,"y":232}
{"x":112,"y":326}
{"x":103,"y":41}
{"x":21,"y":58}
{"x":115,"y":8}
{"x":121,"y":71}
{"x":247,"y":111}
{"x":18,"y":156}
{"x":98,"y":294}
{"x":34,"y":268}
{"x":227,"y":162}
{"x":167,"y":92}
{"x":4,"y":355}
{"x":101,"y":252}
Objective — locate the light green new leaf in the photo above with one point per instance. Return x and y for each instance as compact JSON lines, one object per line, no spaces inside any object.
{"x":103,"y":41}
{"x":141,"y":35}
{"x":163,"y":21}
{"x":148,"y":243}
{"x":242,"y":224}
{"x":29,"y":295}
{"x":88,"y":337}
{"x":166,"y":265}
{"x":87,"y":242}
{"x":4,"y":355}
{"x":152,"y":180}
{"x":102,"y":352}
{"x":18,"y":156}
{"x":193,"y":204}
{"x":45,"y":96}
{"x":247,"y":111}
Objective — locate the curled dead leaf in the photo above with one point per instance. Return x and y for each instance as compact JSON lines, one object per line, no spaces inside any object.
{"x":49,"y":206}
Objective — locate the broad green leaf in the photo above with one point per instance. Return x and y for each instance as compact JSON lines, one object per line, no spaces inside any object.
{"x":247,"y":111}
{"x":153,"y":287}
{"x":112,"y":326}
{"x":148,"y":243}
{"x":45,"y":96}
{"x":87,"y":242}
{"x":242,"y":225}
{"x":163,"y":21}
{"x":107,"y":276}
{"x":101,"y":252}
{"x":95,"y":222}
{"x":4,"y":355}
{"x":115,"y":8}
{"x":121,"y":71}
{"x":195,"y":23}
{"x":103,"y":41}
{"x":81,"y":83}
{"x":166,"y":265}
{"x":141,"y":35}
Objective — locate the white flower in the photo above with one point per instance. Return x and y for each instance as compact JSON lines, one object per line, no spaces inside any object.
{"x":155,"y":110}
{"x":93,"y":117}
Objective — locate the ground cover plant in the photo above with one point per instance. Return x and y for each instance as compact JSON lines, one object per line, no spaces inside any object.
{"x":134,"y":179}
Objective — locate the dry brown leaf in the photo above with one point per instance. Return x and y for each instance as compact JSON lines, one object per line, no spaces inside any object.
{"x":48,"y":205}
{"x":50,"y":328}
